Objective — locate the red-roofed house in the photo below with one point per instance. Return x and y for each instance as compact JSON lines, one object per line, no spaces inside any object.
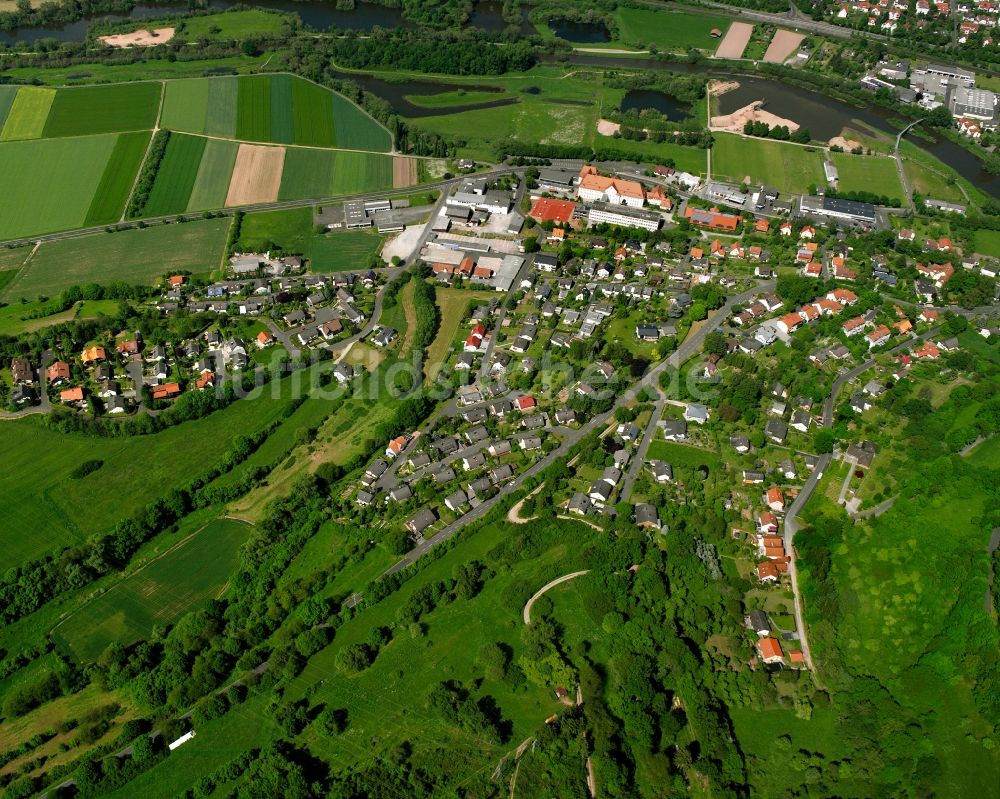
{"x":767,"y":572}
{"x":878,"y":336}
{"x":525,"y":403}
{"x":767,"y":522}
{"x":166,"y":391}
{"x":770,"y":650}
{"x":71,"y":395}
{"x":395,"y":446}
{"x":843,"y":296}
{"x":776,"y":498}
{"x":928,"y":315}
{"x":264,"y":339}
{"x":854,"y":326}
{"x":789,"y":322}
{"x":927,"y":352}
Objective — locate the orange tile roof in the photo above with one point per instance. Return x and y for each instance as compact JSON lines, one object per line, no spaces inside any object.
{"x":770,"y":648}
{"x":57,"y":371}
{"x":166,"y":391}
{"x":71,"y":395}
{"x":546,"y":209}
{"x":775,"y":494}
{"x":601,"y":183}
{"x":767,"y":569}
{"x":96,"y":353}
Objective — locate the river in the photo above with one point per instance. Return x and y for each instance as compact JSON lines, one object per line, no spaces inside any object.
{"x":321,"y":15}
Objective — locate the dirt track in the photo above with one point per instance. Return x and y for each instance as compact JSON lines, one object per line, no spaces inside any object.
{"x":735,"y":41}
{"x":782,"y":46}
{"x":256,"y":175}
{"x":139,"y":38}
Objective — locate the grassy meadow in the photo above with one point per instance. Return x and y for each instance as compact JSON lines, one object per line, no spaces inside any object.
{"x":787,"y":167}
{"x":867,"y":173}
{"x":244,"y":24}
{"x":136,"y":256}
{"x":196,"y":569}
{"x":669,"y":30}
{"x":292,"y":230}
{"x":45,"y":509}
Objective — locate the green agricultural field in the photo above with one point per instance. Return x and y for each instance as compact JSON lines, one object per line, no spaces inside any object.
{"x":686,"y":159}
{"x":867,"y":173}
{"x":283,"y":109}
{"x":137,"y":257}
{"x":313,"y":116}
{"x":328,"y":173}
{"x":247,"y":24}
{"x":159,"y":594}
{"x":45,"y":510}
{"x":214,"y":174}
{"x":49,"y":185}
{"x":116,"y":182}
{"x":7,"y":95}
{"x":176,"y":176}
{"x":221,"y":106}
{"x":87,"y":110}
{"x":282,"y":115}
{"x":669,"y":30}
{"x":253,"y":108}
{"x":988,"y":242}
{"x":787,"y":167}
{"x":355,"y":130}
{"x":27,"y":114}
{"x":292,"y":231}
{"x":151,"y":69}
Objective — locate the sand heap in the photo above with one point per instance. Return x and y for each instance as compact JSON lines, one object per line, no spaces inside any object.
{"x":139,"y":38}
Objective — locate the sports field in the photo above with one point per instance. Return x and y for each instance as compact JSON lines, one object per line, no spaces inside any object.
{"x":787,"y":167}
{"x":669,"y":30}
{"x":184,"y":577}
{"x":135,"y":256}
{"x":279,"y":109}
{"x":50,"y":184}
{"x":868,"y":173}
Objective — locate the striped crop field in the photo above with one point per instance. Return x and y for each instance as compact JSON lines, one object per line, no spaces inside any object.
{"x":116,"y":182}
{"x":214,"y":174}
{"x":312,"y":111}
{"x":356,"y":130}
{"x":27,"y":115}
{"x":279,"y":109}
{"x":86,"y":110}
{"x":253,"y":109}
{"x":49,"y":185}
{"x":328,"y":173}
{"x":220,"y":116}
{"x":282,"y":115}
{"x":176,"y":176}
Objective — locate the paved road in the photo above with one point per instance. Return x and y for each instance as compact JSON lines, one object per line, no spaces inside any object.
{"x":639,"y":456}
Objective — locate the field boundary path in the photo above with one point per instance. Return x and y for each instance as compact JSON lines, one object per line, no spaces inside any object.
{"x":145,"y":155}
{"x":551,"y":584}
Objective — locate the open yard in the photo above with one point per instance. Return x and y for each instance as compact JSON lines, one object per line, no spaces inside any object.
{"x":135,"y":256}
{"x":867,"y":173}
{"x":196,"y":569}
{"x":668,"y":30}
{"x":49,"y":185}
{"x":292,"y":230}
{"x":988,"y":242}
{"x":281,"y":109}
{"x":683,"y":455}
{"x":787,"y":167}
{"x":454,"y":303}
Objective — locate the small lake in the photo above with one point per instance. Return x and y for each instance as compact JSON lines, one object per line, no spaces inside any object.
{"x":488,"y":15}
{"x":641,"y":99}
{"x":580,"y":32}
